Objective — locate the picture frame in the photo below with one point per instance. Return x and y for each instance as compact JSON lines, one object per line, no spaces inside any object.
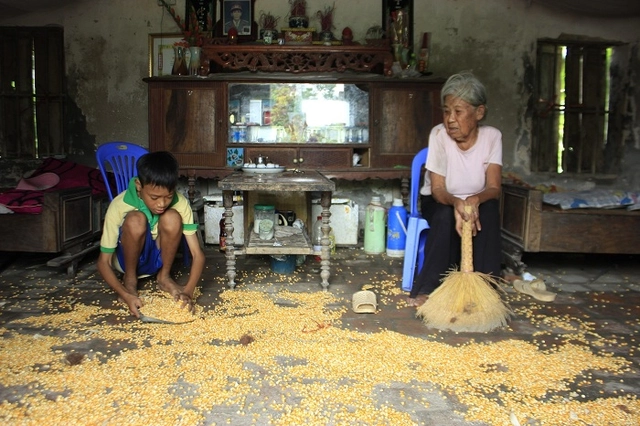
{"x":391,"y":8}
{"x":248,"y":28}
{"x":205,"y":11}
{"x":161,"y":54}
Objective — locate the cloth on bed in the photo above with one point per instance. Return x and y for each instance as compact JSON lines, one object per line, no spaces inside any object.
{"x":594,"y":199}
{"x":71,"y":175}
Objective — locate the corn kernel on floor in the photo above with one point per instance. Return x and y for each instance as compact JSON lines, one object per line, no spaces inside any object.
{"x":597,"y":307}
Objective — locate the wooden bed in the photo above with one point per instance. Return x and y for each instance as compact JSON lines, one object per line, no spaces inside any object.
{"x":529,"y":225}
{"x":69,"y":225}
{"x":64,"y":219}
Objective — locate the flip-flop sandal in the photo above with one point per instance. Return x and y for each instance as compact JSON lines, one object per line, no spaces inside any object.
{"x":538,"y":285}
{"x":535,"y":289}
{"x":364,"y":302}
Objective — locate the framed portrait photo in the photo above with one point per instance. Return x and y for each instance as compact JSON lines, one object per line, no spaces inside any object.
{"x":161,"y":54}
{"x":238,"y":14}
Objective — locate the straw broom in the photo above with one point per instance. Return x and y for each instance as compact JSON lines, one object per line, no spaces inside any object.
{"x":466,"y":300}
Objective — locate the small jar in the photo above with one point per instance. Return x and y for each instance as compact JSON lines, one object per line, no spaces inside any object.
{"x":263,"y":212}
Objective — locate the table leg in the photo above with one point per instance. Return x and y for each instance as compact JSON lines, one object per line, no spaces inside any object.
{"x":191,"y":179}
{"x":325,"y":254}
{"x":227,"y":201}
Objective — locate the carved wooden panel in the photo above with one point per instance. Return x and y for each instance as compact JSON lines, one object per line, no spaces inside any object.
{"x":299,"y":59}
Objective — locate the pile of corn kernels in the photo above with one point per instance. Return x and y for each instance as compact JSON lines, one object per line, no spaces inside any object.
{"x":281,"y":357}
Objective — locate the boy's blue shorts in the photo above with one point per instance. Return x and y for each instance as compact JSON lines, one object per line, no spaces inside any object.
{"x":150,"y":260}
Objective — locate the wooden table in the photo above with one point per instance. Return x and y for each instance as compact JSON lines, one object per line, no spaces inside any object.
{"x":288,"y":181}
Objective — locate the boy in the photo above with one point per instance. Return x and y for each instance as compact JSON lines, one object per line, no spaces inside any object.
{"x":143,"y":227}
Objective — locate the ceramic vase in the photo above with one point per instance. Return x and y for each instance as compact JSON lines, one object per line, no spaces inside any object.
{"x":267,"y":36}
{"x":194,"y":62}
{"x":326,"y":37}
{"x":179,"y":61}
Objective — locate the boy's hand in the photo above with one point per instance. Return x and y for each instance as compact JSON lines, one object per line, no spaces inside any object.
{"x":186,"y":301}
{"x":134,"y":303}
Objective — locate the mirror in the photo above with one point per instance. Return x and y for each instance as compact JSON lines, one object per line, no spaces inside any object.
{"x":298,"y":113}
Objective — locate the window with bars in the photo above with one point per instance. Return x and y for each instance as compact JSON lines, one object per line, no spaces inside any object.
{"x":573,"y":111}
{"x":32,"y":92}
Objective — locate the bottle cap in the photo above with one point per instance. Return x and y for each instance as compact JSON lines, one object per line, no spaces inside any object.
{"x":397,"y":202}
{"x":375,"y":200}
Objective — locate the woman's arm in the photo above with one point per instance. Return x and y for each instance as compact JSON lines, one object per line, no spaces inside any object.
{"x":442,"y":196}
{"x":491,"y":191}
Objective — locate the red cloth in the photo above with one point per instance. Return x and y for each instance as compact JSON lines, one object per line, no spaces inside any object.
{"x":72,"y":175}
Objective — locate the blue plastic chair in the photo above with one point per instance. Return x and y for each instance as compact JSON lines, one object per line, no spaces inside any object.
{"x":417,"y":226}
{"x":119,"y":158}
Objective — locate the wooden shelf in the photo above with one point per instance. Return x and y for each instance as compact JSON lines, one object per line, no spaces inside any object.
{"x":294,"y":244}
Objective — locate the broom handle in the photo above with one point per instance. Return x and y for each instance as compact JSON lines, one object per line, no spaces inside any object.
{"x":466,"y":262}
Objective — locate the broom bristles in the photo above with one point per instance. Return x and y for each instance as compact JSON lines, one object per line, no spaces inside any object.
{"x":465,"y":302}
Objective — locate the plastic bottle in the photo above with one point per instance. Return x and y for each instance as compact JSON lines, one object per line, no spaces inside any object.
{"x":374,"y":227}
{"x":396,"y":229}
{"x":332,"y":241}
{"x":316,"y":238}
{"x":223,"y":234}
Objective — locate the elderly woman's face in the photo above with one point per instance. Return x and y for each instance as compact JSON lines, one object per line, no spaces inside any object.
{"x":461,"y":119}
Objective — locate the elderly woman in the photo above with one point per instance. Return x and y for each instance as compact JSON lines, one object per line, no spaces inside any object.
{"x":464,"y":168}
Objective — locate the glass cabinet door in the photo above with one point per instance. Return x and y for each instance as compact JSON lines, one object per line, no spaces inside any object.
{"x":298,"y":113}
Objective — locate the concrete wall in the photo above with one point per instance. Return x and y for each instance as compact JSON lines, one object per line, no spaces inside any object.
{"x":107,"y":56}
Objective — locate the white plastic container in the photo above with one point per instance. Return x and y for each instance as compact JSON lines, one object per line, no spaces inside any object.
{"x":212,"y":215}
{"x":344,"y":219}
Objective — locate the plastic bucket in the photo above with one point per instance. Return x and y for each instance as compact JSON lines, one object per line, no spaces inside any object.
{"x":283,"y":264}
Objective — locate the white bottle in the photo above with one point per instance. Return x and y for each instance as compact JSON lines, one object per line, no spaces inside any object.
{"x":316,"y":235}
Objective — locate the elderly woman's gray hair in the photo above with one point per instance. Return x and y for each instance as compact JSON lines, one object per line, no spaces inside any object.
{"x":466,"y":87}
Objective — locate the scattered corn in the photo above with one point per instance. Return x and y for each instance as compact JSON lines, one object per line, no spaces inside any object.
{"x":298,"y":367}
{"x":160,"y":306}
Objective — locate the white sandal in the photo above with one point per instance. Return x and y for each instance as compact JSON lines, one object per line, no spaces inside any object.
{"x":536,"y":289}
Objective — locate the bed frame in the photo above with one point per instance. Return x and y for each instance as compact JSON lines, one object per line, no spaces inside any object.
{"x":528,"y":225}
{"x":70,"y":225}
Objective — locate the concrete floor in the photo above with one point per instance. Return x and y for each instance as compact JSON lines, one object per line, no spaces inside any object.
{"x":598,"y":296}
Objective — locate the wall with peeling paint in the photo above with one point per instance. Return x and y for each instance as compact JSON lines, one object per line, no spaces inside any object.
{"x":107,"y":57}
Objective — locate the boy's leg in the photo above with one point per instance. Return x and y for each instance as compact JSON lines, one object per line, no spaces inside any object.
{"x":132,"y":237}
{"x":169,"y":237}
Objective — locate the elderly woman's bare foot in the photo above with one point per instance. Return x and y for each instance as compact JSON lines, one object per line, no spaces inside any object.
{"x":417,"y":301}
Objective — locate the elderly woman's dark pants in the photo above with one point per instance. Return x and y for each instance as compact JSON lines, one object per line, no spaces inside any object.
{"x":442,"y":252}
